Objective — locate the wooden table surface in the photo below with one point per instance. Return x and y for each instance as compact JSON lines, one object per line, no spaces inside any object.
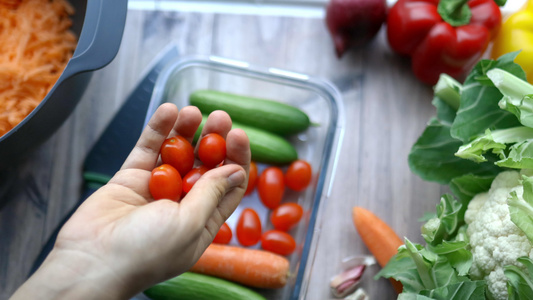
{"x":386,"y":109}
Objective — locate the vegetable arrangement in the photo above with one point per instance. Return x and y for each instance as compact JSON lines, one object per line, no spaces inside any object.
{"x":266,"y":122}
{"x":275,"y":168}
{"x":478,"y":243}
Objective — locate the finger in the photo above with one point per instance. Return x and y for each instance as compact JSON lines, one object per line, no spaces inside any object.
{"x":217,"y":122}
{"x":219,"y":185}
{"x":238,"y":149}
{"x":145,"y":153}
{"x":189,"y":118}
{"x":237,"y":153}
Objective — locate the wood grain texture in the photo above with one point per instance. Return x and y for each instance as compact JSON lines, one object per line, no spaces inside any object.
{"x":386,"y":109}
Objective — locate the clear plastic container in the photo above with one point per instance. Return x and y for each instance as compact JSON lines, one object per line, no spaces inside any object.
{"x":319,"y":145}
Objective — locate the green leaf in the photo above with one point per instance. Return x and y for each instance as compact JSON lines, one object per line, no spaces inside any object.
{"x":472,"y":290}
{"x":423,"y":264}
{"x":402,"y":268}
{"x":433,"y":158}
{"x":445,"y":225}
{"x":519,"y":282}
{"x":521,"y":210}
{"x":413,"y":296}
{"x":520,"y":156}
{"x":467,"y":186}
{"x":516,"y":94}
{"x":479,"y":109}
{"x":448,"y":90}
{"x":494,"y":141}
{"x":444,"y":274}
{"x":445,"y":113}
{"x":457,"y":254}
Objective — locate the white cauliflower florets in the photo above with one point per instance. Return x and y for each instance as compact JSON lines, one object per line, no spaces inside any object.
{"x":495,"y":240}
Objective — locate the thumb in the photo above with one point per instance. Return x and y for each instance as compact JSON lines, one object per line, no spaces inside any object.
{"x":216,"y":194}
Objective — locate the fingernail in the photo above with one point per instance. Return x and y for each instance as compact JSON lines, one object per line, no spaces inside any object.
{"x":236,"y":179}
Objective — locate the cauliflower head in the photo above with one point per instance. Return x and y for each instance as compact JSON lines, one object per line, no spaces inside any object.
{"x":495,"y":240}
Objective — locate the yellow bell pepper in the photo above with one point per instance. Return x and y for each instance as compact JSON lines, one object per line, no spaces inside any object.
{"x":515,"y":34}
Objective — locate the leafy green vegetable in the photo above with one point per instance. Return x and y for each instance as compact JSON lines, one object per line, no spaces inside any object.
{"x":457,"y":254}
{"x":496,"y":141}
{"x":429,"y":271}
{"x":449,"y":90}
{"x":517,"y":95}
{"x":521,"y":211}
{"x":445,"y":224}
{"x":481,"y":128}
{"x":432,"y":157}
{"x":467,"y":186}
{"x":479,"y":108}
{"x":459,"y":291}
{"x":519,"y":282}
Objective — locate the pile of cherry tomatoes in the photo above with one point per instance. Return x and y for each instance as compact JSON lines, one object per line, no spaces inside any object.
{"x":177,"y":174}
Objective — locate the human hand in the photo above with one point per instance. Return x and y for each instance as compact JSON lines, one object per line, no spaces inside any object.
{"x":120,"y":241}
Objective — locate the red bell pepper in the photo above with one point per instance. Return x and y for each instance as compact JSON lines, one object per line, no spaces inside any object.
{"x":442,"y":36}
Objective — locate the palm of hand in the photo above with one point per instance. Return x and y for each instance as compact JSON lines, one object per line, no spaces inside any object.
{"x":143,"y":241}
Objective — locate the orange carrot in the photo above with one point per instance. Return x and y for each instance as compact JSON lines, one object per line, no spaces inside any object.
{"x":251,"y":267}
{"x":379,"y":238}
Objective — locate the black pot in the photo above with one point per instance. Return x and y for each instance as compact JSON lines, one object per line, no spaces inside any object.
{"x":99,"y":25}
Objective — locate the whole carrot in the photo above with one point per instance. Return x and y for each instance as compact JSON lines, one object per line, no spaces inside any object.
{"x":379,"y":238}
{"x":251,"y":267}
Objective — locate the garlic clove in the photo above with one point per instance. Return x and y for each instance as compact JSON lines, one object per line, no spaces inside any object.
{"x":347,"y":281}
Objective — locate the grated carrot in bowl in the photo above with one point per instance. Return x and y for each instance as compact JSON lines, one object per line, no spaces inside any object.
{"x":36,"y":44}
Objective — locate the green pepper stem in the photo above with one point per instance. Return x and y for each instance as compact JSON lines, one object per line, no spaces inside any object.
{"x":455,"y":12}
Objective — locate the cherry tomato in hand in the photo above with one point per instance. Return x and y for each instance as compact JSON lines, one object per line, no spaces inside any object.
{"x":212,"y":150}
{"x":249,"y":227}
{"x":271,"y":187}
{"x":278,"y":242}
{"x":285,"y":216}
{"x":179,"y":153}
{"x":190,"y":179}
{"x":251,"y":179}
{"x":165,"y":183}
{"x":224,"y":235}
{"x":298,"y":175}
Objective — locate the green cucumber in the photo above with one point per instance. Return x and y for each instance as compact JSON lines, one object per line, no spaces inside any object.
{"x":265,"y":146}
{"x":193,"y":286}
{"x":270,"y":115}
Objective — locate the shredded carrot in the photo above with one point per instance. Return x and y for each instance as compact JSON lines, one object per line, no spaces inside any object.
{"x":36,"y":43}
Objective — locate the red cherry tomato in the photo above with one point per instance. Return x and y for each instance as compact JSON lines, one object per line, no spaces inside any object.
{"x":190,"y":179}
{"x":298,"y":175}
{"x":271,"y":187}
{"x":285,"y":216}
{"x":179,"y":153}
{"x":249,"y":228}
{"x":165,"y":183}
{"x":251,"y":179}
{"x":278,"y":242}
{"x":224,"y":235}
{"x":212,"y":150}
